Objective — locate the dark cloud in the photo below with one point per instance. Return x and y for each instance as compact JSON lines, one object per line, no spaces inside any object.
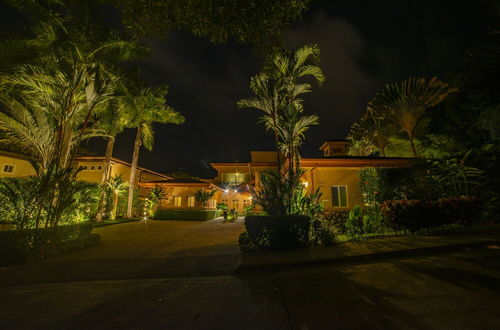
{"x":343,"y":97}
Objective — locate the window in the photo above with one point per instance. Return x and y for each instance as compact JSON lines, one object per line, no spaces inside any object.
{"x":236,"y":203}
{"x":233,"y":178}
{"x":177,"y":201}
{"x":339,"y":196}
{"x":99,"y":167}
{"x":8,"y":168}
{"x":92,"y":168}
{"x":84,"y":167}
{"x":190,"y":201}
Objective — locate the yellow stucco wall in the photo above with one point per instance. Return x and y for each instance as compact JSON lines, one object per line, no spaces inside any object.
{"x":21,"y":167}
{"x":94,"y":169}
{"x":326,"y":177}
{"x":319,"y":177}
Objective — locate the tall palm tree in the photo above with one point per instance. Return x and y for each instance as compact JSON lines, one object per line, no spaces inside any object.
{"x":279,"y":86}
{"x":292,"y":125}
{"x":117,"y":186}
{"x":405,"y":103}
{"x":111,"y":123}
{"x":144,"y":108}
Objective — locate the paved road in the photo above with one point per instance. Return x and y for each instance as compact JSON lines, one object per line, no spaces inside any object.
{"x":178,"y":275}
{"x":141,"y":250}
{"x":458,"y":291}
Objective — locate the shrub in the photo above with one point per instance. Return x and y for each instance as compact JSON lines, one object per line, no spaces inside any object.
{"x":278,"y":232}
{"x":17,"y":246}
{"x":190,"y":214}
{"x":354,"y":223}
{"x":337,"y":220}
{"x":415,"y":215}
{"x":30,"y":202}
{"x":322,"y":230}
{"x":222,"y":206}
{"x":373,"y":220}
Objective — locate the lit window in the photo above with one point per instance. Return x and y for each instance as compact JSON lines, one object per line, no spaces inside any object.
{"x":236,"y":203}
{"x":177,"y":201}
{"x":233,"y":178}
{"x":8,"y":168}
{"x":339,"y":196}
{"x":190,"y":201}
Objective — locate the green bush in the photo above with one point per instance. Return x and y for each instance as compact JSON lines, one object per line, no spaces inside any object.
{"x":278,"y":232}
{"x":416,"y":215}
{"x":337,"y":220}
{"x":189,"y":214}
{"x":322,"y":231}
{"x":18,"y":246}
{"x":373,"y":220}
{"x":354,"y":223}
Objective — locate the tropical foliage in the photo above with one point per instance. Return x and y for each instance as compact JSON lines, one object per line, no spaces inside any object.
{"x":405,"y":103}
{"x":144,"y":107}
{"x":202,"y":197}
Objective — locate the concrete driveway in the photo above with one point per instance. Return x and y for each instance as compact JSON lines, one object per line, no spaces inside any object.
{"x":145,"y":249}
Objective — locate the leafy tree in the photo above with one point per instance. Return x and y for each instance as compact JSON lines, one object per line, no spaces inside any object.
{"x":405,"y":103}
{"x":261,"y":22}
{"x":144,"y":107}
{"x":202,"y":197}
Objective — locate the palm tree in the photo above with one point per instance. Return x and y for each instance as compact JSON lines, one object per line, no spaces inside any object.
{"x":405,"y":103}
{"x":372,"y":129}
{"x":143,"y":109}
{"x":278,"y":87}
{"x":292,"y":125}
{"x":111,"y":123}
{"x":117,"y":186}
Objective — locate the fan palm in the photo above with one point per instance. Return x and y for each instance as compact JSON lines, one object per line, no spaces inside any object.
{"x":143,"y":109}
{"x":405,"y":103}
{"x":373,"y":130}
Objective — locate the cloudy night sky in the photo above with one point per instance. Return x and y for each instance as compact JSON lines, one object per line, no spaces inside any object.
{"x":364,"y":45}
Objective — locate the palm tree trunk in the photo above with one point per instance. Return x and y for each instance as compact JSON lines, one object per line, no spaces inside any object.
{"x":133,"y":170}
{"x":105,"y":177}
{"x":410,"y":137}
{"x":115,"y":205}
{"x":66,"y":148}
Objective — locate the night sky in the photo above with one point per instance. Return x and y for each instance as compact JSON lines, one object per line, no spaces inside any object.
{"x":364,"y":45}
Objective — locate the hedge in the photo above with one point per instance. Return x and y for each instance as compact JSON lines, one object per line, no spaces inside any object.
{"x":176,"y":214}
{"x":18,"y":246}
{"x":266,"y":232}
{"x":415,"y":215}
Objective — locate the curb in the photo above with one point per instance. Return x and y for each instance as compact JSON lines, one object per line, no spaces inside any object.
{"x":368,"y":257}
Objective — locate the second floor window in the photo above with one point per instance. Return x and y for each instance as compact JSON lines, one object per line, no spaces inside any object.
{"x":234,"y":178}
{"x":190,"y":201}
{"x":177,"y":201}
{"x":8,"y":168}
